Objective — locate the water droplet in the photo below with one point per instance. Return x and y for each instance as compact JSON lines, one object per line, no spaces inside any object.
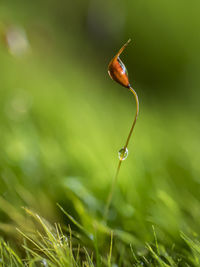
{"x":123,"y":153}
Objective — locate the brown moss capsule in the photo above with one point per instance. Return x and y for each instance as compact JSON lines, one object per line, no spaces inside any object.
{"x":117,"y":70}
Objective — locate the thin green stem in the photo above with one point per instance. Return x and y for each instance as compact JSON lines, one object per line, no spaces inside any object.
{"x":112,"y":191}
{"x":110,"y":196}
{"x":136,"y":115}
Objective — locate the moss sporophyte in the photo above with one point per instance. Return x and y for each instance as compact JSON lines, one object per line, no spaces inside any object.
{"x":118,"y":73}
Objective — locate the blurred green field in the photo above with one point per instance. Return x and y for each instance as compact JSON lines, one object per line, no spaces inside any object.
{"x":62,"y":122}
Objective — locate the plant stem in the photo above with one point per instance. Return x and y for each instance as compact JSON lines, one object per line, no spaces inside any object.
{"x":136,"y":115}
{"x":110,"y":196}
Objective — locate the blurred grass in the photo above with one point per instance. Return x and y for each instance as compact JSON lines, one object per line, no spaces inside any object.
{"x":62,"y":122}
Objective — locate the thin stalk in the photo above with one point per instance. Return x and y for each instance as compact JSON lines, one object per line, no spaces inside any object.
{"x":136,"y":115}
{"x":110,"y":196}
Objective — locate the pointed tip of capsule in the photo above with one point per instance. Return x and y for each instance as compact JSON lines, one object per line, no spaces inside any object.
{"x":123,"y":47}
{"x":129,"y":40}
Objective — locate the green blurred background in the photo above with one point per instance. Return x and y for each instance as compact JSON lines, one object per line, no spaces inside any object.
{"x":62,"y":120}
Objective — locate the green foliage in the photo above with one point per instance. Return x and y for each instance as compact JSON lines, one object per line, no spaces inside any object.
{"x":62,"y":122}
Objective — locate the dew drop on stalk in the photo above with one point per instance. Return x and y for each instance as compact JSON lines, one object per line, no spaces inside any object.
{"x":123,"y":153}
